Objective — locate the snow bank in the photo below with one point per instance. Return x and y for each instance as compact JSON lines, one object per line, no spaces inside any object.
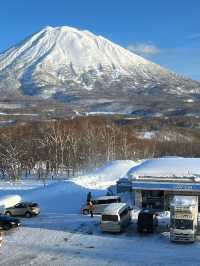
{"x":60,"y":197}
{"x":25,"y":184}
{"x":67,"y":196}
{"x":106,"y":175}
{"x":9,"y":201}
{"x":56,"y":197}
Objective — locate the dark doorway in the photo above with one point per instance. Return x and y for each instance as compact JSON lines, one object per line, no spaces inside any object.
{"x":153,"y":199}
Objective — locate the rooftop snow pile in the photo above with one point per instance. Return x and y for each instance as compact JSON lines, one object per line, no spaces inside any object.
{"x":106,"y":175}
{"x":167,"y":167}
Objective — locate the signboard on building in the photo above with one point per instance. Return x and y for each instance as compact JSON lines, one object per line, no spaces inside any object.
{"x":166,"y":186}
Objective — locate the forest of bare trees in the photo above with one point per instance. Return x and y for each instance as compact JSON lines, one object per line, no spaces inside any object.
{"x":71,"y":146}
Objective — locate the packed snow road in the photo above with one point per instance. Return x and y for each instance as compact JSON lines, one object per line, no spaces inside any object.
{"x":62,"y":236}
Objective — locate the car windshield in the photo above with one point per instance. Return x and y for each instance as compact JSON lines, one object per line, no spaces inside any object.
{"x":183,"y":224}
{"x":106,"y":201}
{"x":145,"y":218}
{"x":110,"y":218}
{"x":33,"y":205}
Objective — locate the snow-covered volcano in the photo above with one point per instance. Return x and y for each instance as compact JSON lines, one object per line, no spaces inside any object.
{"x":58,"y":56}
{"x":73,"y":65}
{"x":54,"y":48}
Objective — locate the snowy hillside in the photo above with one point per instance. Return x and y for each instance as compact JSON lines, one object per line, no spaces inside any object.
{"x":52,"y":48}
{"x":78,"y":67}
{"x":54,"y":56}
{"x":106,"y":175}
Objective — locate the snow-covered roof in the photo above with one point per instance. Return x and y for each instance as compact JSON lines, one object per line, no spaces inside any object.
{"x":114,"y":208}
{"x":167,"y":167}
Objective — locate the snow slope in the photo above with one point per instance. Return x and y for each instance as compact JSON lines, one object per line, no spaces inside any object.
{"x":58,"y":46}
{"x":62,"y":196}
{"x":106,"y":175}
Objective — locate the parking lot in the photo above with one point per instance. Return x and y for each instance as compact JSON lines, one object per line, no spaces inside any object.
{"x":62,"y":236}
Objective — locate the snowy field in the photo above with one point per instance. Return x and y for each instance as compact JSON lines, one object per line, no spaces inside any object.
{"x":62,"y":236}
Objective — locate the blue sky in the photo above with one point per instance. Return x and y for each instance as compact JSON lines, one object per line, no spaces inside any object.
{"x":164,"y":31}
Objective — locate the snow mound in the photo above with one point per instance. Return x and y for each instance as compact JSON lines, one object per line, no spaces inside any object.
{"x":9,"y":201}
{"x":63,"y":196}
{"x":106,"y":175}
{"x":56,"y":197}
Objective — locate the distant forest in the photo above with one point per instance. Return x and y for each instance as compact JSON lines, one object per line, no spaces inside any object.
{"x":77,"y":145}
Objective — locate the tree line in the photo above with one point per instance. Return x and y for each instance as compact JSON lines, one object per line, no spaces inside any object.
{"x":68,"y":147}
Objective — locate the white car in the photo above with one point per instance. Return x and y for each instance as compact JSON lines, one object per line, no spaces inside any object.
{"x":115,"y":217}
{"x":99,"y":204}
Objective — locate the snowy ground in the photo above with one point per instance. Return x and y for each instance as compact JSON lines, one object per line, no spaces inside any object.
{"x":62,"y":236}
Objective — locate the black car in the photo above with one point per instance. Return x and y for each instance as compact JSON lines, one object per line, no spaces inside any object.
{"x":147,"y":221}
{"x":7,"y":222}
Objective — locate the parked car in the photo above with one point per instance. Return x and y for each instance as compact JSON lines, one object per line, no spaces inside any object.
{"x":7,"y":222}
{"x":26,"y":209}
{"x":115,"y":217}
{"x":99,"y":204}
{"x":147,"y":221}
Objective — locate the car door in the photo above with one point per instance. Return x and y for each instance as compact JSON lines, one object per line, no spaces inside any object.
{"x":19,"y":209}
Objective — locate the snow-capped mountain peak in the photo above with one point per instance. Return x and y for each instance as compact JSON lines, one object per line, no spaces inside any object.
{"x":62,"y":62}
{"x":65,"y":45}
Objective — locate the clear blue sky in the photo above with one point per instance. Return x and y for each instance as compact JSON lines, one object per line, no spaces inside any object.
{"x":164,"y":31}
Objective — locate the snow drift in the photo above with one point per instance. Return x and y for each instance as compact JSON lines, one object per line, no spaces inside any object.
{"x":9,"y":201}
{"x":106,"y":175}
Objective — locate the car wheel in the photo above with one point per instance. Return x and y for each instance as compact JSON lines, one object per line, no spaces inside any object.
{"x":28,"y":215}
{"x":85,"y":212}
{"x":7,"y":213}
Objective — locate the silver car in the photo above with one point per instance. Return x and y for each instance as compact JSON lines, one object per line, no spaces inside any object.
{"x":26,"y":209}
